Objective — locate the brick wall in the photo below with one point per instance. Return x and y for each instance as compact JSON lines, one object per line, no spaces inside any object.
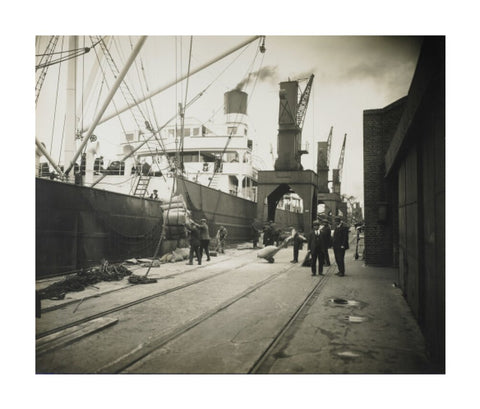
{"x":379,"y":126}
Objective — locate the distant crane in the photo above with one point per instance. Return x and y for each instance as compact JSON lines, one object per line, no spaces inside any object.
{"x":341,"y":158}
{"x":303,"y":103}
{"x":329,"y":145}
{"x":337,"y":173}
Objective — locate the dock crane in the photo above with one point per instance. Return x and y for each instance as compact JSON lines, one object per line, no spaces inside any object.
{"x":340,"y":159}
{"x":292,"y":113}
{"x":337,"y":173}
{"x":329,"y":146}
{"x":303,"y":103}
{"x":323,"y":162}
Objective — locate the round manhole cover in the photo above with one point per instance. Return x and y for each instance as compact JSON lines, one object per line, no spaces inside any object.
{"x":340,"y":301}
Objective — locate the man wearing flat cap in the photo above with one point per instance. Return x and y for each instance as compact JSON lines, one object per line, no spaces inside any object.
{"x":317,"y":248}
{"x":340,"y":244}
{"x":204,"y":238}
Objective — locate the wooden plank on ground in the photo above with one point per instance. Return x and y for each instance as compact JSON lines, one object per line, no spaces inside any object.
{"x":69,"y":335}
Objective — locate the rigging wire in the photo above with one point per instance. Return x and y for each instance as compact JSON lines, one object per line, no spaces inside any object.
{"x":141,"y":84}
{"x":105,"y":81}
{"x":146,"y":117}
{"x":59,"y":60}
{"x":127,"y":89}
{"x":154,"y":116}
{"x":70,"y":51}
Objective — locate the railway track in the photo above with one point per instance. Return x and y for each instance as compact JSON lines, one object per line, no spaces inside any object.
{"x":126,"y":287}
{"x":265,"y":357}
{"x":132,"y":303}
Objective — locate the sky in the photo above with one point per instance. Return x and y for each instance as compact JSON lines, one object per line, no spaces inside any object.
{"x":351,"y":74}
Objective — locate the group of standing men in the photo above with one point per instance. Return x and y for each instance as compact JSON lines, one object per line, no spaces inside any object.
{"x":200,"y":240}
{"x":320,"y":240}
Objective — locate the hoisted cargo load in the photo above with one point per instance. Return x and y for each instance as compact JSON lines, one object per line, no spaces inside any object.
{"x":176,"y":217}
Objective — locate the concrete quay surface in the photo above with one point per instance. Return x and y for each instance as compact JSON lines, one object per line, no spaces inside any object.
{"x":357,"y":324}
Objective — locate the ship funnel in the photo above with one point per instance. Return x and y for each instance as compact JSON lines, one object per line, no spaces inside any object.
{"x":235,"y":102}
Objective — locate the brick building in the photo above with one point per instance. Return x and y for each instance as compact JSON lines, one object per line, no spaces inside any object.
{"x":404,"y":190}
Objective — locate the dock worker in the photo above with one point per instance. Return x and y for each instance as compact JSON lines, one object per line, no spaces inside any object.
{"x":154,"y":195}
{"x":316,"y":247}
{"x":194,"y":235}
{"x":256,"y":235}
{"x":204,"y":238}
{"x":268,"y":234}
{"x":222,"y":234}
{"x":340,"y":244}
{"x":298,"y":240}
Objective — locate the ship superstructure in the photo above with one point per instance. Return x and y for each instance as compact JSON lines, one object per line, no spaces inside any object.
{"x":215,"y":155}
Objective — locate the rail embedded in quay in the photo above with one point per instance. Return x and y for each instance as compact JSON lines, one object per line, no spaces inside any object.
{"x":144,"y":350}
{"x":127,"y":286}
{"x":136,"y":302}
{"x":266,"y":360}
{"x":266,"y":357}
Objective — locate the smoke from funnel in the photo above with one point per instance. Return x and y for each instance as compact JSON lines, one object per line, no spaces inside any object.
{"x":265,"y":73}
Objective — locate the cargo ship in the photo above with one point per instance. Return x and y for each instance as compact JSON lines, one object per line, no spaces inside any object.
{"x":88,"y":211}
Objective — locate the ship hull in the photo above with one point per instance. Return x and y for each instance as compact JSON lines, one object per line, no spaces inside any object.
{"x":77,"y":226}
{"x":234,"y":213}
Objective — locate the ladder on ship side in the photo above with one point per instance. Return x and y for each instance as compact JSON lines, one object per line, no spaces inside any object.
{"x":142,"y":185}
{"x":214,"y":182}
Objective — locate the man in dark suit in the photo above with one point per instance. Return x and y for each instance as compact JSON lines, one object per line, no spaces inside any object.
{"x":316,"y":247}
{"x":326,"y":233}
{"x":340,"y":244}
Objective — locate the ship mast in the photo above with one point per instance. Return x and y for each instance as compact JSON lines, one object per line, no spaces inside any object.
{"x":70,"y":115}
{"x":107,"y":101}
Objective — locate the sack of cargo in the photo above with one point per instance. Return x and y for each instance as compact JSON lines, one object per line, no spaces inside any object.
{"x":175,"y":232}
{"x":268,"y":251}
{"x":178,"y":255}
{"x":171,"y":206}
{"x":176,"y":217}
{"x":183,"y":251}
{"x":165,"y":258}
{"x":177,"y":201}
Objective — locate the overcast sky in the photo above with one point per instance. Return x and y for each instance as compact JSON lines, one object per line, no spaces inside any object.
{"x":352,"y":74}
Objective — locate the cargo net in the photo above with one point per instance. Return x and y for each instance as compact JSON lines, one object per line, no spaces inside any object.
{"x":83,"y":279}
